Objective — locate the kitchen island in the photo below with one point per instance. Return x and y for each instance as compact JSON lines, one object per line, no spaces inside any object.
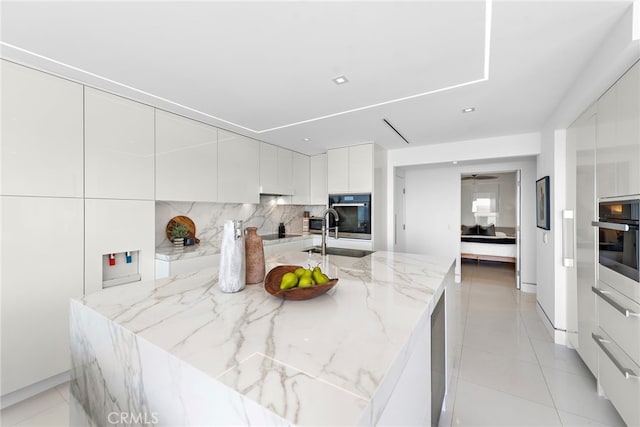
{"x":178,"y":351}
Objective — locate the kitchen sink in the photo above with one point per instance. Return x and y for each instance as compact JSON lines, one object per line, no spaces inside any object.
{"x":355,"y":253}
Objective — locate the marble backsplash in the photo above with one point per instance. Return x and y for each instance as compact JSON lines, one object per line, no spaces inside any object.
{"x":209,"y":217}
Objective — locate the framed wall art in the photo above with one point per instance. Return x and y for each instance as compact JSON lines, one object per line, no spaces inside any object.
{"x":542,"y":203}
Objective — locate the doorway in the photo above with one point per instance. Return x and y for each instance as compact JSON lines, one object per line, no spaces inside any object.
{"x":490,"y":220}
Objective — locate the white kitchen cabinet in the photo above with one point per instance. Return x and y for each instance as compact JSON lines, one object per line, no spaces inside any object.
{"x":119,"y":147}
{"x":186,"y":159}
{"x":628,"y":132}
{"x":350,"y":169}
{"x":361,"y":168}
{"x":618,"y":137}
{"x":238,"y":168}
{"x":301,"y":179}
{"x":276,"y":170}
{"x":338,"y":170}
{"x":268,"y":168}
{"x":42,"y":135}
{"x":582,"y":134}
{"x":318,"y":180}
{"x":115,"y":226}
{"x":42,"y":267}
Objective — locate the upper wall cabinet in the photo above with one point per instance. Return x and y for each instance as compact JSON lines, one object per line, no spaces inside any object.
{"x":301,"y":175}
{"x":186,"y":159}
{"x":350,"y":169}
{"x":238,"y":168}
{"x":41,"y":152}
{"x":318,"y":180}
{"x":119,"y":147}
{"x":618,"y":137}
{"x":275,"y":170}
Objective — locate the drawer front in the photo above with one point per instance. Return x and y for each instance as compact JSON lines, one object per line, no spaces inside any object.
{"x":622,"y":390}
{"x":624,"y":285}
{"x":619,"y":317}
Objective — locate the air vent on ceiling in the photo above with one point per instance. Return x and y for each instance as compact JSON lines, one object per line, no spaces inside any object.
{"x":388,"y":123}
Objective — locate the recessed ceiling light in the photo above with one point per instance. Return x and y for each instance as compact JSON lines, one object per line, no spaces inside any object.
{"x":455,"y":162}
{"x":340,"y":80}
{"x":306,"y":139}
{"x":469,"y":110}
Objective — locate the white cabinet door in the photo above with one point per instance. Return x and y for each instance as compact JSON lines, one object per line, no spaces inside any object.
{"x":275,"y":170}
{"x":318,"y":180}
{"x":115,"y":226}
{"x":338,"y":170}
{"x":41,"y":152}
{"x":238,"y":168}
{"x":618,"y":137}
{"x":628,"y":132}
{"x":268,"y":168}
{"x":42,"y":267}
{"x":119,"y":147}
{"x":301,"y":175}
{"x":350,"y":169}
{"x":285,"y":171}
{"x":585,"y":212}
{"x":361,"y":168}
{"x":186,"y":159}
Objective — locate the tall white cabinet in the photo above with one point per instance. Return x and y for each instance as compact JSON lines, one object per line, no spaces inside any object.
{"x":607,"y":154}
{"x":41,"y":222}
{"x":582,"y":137}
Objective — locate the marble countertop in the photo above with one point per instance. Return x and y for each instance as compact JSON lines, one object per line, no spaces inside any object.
{"x":168,"y":252}
{"x":331,"y":360}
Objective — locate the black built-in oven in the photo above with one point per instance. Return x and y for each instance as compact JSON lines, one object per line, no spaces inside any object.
{"x":618,"y":236}
{"x":354,"y":211}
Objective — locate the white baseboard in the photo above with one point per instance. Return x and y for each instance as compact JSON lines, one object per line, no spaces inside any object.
{"x":529,"y":288}
{"x":33,"y":389}
{"x":558,"y":336}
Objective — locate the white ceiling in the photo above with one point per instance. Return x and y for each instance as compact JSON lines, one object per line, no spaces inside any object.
{"x":264,"y":69}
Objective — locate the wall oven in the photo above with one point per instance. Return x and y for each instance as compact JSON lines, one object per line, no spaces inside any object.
{"x":618,"y":236}
{"x":354,"y":211}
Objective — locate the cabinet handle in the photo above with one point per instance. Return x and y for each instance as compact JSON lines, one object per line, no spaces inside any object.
{"x":626,"y":372}
{"x":348,"y":205}
{"x":610,"y":225}
{"x":613,"y":303}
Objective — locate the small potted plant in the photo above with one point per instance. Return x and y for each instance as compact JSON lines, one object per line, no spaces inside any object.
{"x":178,"y":234}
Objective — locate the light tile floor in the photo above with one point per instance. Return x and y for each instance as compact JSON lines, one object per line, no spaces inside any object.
{"x":511,"y":373}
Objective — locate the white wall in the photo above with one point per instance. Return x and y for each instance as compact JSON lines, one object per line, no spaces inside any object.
{"x":433,"y":196}
{"x":616,"y":54}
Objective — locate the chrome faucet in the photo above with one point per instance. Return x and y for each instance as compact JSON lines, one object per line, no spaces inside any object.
{"x":323,"y":215}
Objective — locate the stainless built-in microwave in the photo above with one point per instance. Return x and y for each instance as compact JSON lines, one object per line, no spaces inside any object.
{"x":618,"y":236}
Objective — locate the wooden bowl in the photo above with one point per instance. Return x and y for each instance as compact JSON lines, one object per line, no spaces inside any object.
{"x":272,"y":285}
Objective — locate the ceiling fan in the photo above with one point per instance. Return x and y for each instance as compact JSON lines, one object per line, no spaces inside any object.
{"x":475,"y":177}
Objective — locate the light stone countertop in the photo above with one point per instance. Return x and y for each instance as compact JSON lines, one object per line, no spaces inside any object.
{"x":334,"y":359}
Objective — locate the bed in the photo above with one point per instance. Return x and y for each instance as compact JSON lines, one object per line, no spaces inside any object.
{"x":486,"y":243}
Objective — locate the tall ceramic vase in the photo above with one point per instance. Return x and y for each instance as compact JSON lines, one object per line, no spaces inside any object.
{"x":254,"y":253}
